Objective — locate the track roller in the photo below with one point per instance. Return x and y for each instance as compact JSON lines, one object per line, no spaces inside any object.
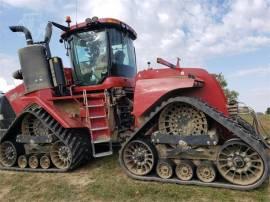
{"x":8,"y":154}
{"x":206,"y":172}
{"x":139,"y":157}
{"x":185,"y":170}
{"x":22,"y":161}
{"x":164,"y":169}
{"x":33,"y":161}
{"x":45,"y":162}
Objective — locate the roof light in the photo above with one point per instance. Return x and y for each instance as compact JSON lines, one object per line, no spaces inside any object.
{"x":95,"y":19}
{"x":68,"y":20}
{"x":88,"y":20}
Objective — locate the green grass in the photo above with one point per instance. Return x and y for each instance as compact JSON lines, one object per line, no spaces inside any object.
{"x":103,"y":180}
{"x":264,"y":120}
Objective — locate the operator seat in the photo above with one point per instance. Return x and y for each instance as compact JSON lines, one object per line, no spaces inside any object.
{"x":119,"y":57}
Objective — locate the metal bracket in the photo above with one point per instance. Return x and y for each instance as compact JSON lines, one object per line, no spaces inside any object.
{"x":2,"y":133}
{"x":182,"y":141}
{"x":34,"y":139}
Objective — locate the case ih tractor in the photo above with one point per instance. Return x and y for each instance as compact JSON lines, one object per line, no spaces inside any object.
{"x":173,"y":123}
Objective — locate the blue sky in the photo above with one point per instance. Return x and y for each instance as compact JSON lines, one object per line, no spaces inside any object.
{"x":228,"y":36}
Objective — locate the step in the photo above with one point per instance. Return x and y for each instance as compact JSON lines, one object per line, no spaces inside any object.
{"x":97,"y":129}
{"x":94,"y":106}
{"x":103,"y":154}
{"x":102,"y":141}
{"x":97,"y":117}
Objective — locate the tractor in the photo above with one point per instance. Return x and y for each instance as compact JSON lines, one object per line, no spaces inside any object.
{"x":173,"y":124}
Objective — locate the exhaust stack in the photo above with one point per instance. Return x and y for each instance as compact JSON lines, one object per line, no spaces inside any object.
{"x":39,"y":70}
{"x":27,"y":33}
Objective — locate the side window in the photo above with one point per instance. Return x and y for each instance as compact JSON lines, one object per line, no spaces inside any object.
{"x":123,"y":55}
{"x":120,"y":54}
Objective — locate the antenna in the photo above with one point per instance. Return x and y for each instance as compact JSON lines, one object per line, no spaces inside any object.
{"x":148,"y":63}
{"x":76,"y":11}
{"x":178,"y":62}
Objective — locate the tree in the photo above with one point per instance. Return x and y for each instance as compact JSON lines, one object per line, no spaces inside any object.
{"x":268,"y":111}
{"x":231,"y":95}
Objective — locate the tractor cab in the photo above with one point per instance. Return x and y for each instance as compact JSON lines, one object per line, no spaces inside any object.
{"x":101,"y":48}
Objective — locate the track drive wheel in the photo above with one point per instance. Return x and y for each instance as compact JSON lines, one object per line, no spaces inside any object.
{"x":165,"y":169}
{"x":182,"y":119}
{"x":8,"y":154}
{"x":185,"y":170}
{"x":61,"y":155}
{"x":240,"y":164}
{"x":206,"y":172}
{"x":139,"y":157}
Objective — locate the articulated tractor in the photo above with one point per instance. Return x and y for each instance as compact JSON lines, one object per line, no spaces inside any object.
{"x":174,"y":124}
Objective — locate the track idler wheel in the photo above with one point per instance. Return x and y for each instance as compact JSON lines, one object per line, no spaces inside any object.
{"x":206,"y":172}
{"x":164,"y":169}
{"x":45,"y":162}
{"x":8,"y":154}
{"x":61,"y":155}
{"x":139,"y":157}
{"x":33,"y":161}
{"x":22,"y":161}
{"x":240,"y":164}
{"x":184,"y":170}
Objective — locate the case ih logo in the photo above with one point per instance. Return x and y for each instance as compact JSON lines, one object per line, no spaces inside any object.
{"x":15,"y":96}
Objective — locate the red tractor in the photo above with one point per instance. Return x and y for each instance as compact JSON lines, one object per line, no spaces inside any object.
{"x":173,"y":123}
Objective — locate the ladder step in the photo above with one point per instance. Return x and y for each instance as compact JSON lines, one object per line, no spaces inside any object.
{"x":97,"y":117}
{"x":103,"y":154}
{"x":93,"y":106}
{"x":96,"y":129}
{"x":102,"y":141}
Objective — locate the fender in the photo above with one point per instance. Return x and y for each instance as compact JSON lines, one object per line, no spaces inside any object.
{"x":154,"y":86}
{"x":20,"y":101}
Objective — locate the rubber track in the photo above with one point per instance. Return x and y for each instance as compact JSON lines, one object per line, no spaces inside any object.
{"x":254,"y":141}
{"x":78,"y":146}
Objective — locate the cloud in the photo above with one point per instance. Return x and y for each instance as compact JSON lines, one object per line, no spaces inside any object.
{"x":8,"y":65}
{"x":31,"y":4}
{"x":193,"y":30}
{"x":257,"y":97}
{"x":259,"y":71}
{"x":5,"y":86}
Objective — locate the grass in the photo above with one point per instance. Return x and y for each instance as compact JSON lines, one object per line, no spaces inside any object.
{"x":103,"y":180}
{"x":264,"y":120}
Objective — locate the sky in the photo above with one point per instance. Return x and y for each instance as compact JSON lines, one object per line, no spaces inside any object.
{"x":222,"y":36}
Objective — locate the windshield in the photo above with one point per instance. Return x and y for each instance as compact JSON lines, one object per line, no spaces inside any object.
{"x":123,"y":54}
{"x":90,"y":56}
{"x":99,"y":54}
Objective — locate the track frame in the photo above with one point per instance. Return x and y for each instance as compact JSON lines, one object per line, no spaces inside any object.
{"x":253,"y":140}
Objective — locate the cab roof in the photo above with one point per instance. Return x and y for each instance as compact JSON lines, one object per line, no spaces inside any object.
{"x":99,"y":23}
